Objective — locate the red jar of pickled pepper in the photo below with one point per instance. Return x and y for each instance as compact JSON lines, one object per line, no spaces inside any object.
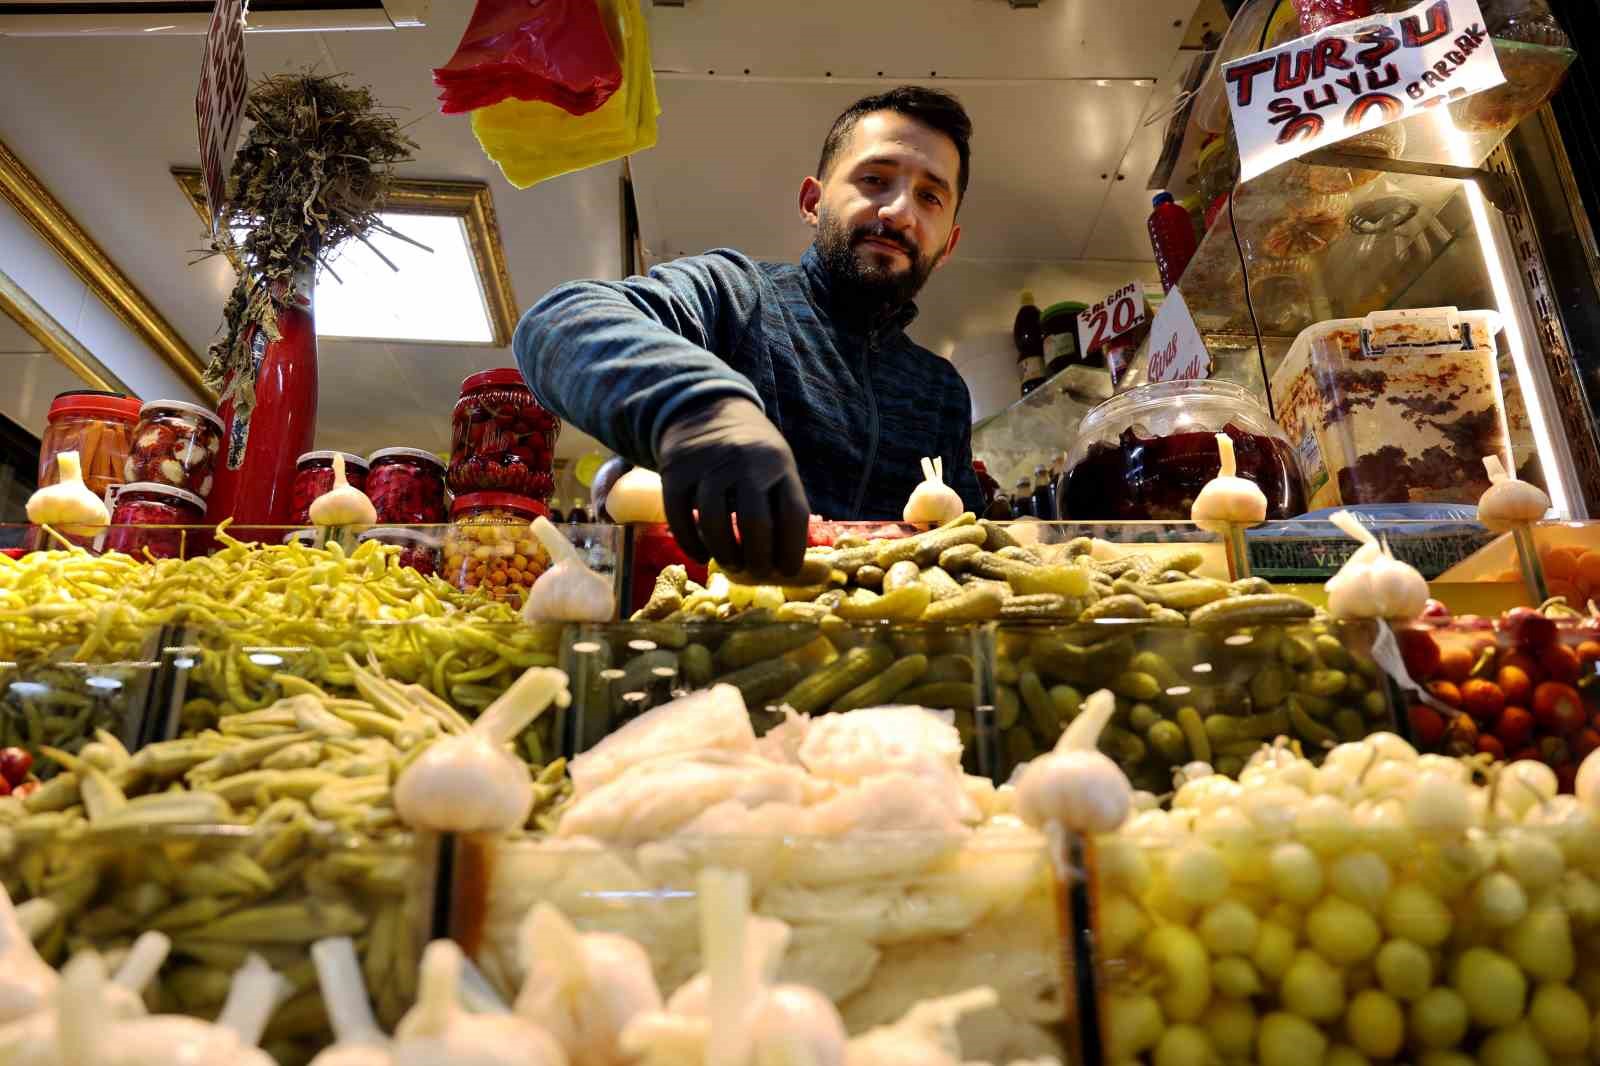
{"x":147,"y":517}
{"x":418,"y":550}
{"x":406,"y":486}
{"x":501,"y":439}
{"x":313,"y":476}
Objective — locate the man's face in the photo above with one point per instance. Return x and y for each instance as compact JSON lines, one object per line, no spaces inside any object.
{"x":886,"y":212}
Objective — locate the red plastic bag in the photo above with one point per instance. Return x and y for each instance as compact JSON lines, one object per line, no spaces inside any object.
{"x":557,"y":51}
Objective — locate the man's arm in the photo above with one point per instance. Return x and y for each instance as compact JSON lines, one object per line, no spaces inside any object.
{"x":621,"y":359}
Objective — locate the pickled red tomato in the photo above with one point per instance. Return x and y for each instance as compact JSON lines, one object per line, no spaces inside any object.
{"x":502,"y":440}
{"x":175,"y":444}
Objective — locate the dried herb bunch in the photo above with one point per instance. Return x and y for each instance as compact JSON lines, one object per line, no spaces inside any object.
{"x":313,"y":171}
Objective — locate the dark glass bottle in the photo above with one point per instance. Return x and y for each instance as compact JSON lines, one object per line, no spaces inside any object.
{"x":999,"y":509}
{"x":1044,"y":494}
{"x":578,"y":514}
{"x":1022,"y":500}
{"x":1028,"y":336}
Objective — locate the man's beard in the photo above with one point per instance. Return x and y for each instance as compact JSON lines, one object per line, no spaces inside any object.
{"x":870,"y":285}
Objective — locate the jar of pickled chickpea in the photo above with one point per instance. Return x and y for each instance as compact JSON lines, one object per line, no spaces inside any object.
{"x":491,"y":547}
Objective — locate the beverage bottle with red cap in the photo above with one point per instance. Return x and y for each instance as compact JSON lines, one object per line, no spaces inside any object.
{"x":1172,"y":237}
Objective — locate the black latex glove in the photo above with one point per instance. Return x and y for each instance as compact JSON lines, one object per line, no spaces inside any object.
{"x":724,"y":458}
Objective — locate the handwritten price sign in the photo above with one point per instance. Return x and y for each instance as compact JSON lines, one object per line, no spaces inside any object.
{"x":1354,"y":76}
{"x":219,"y":101}
{"x":1120,"y":312}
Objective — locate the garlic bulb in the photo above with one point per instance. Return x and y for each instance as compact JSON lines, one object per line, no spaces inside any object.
{"x":68,"y":505}
{"x":1075,"y":785}
{"x":438,"y":1031}
{"x":1509,"y":502}
{"x":344,"y":504}
{"x":357,"y":1039}
{"x":1372,"y":583}
{"x":933,"y":502}
{"x":585,"y":988}
{"x":230,"y":1041}
{"x":1587,"y":788}
{"x":637,"y":497}
{"x":569,"y":591}
{"x":472,"y":783}
{"x":1228,"y":499}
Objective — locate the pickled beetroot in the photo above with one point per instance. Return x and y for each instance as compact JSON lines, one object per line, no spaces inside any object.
{"x":148,"y":519}
{"x":313,"y":476}
{"x":1158,"y":478}
{"x":418,"y":550}
{"x":501,"y":439}
{"x":406,"y":485}
{"x":175,"y":444}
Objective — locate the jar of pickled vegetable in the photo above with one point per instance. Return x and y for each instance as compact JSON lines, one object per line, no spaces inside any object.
{"x":501,"y":439}
{"x":99,"y":427}
{"x":406,"y":486}
{"x":175,"y":444}
{"x":490,"y":546}
{"x":306,"y":538}
{"x":148,"y":517}
{"x":313,"y":476}
{"x":418,"y":550}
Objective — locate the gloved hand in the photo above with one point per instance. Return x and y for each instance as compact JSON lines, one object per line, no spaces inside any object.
{"x":724,"y":457}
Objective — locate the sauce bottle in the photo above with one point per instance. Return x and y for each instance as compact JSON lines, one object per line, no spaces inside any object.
{"x":1172,"y":237}
{"x":1029,"y":339}
{"x":1022,"y":500}
{"x":1044,"y":494}
{"x":578,"y":515}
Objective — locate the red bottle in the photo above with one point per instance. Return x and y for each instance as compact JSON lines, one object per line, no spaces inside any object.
{"x":1172,"y":237}
{"x":255,"y":480}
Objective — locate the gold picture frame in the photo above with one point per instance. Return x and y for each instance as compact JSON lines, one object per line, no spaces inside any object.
{"x":105,"y":280}
{"x":469,"y":201}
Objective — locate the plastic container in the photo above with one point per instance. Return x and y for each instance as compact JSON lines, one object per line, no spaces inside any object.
{"x":491,"y":546}
{"x":501,"y":439}
{"x":176,"y":443}
{"x":1025,"y":334}
{"x":1397,"y":407}
{"x":1145,"y":454}
{"x":145,"y":516}
{"x":418,"y":550}
{"x":406,"y":486}
{"x":1320,"y":14}
{"x":99,"y":427}
{"x":1172,"y":236}
{"x":1533,"y":70}
{"x":313,"y":476}
{"x":1059,"y":324}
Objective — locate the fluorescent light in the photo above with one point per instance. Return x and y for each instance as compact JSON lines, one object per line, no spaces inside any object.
{"x":432,"y":297}
{"x":1551,"y":455}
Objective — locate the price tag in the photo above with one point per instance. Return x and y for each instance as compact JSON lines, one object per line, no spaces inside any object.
{"x":1177,"y":351}
{"x":219,"y":101}
{"x":1354,"y":76}
{"x":1109,"y":318}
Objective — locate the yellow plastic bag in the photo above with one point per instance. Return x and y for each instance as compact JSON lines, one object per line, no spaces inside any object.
{"x":532,"y":141}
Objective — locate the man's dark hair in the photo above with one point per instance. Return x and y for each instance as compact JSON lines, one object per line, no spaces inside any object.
{"x":933,"y":108}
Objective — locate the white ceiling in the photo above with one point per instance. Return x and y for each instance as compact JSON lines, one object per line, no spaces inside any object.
{"x":100,"y":121}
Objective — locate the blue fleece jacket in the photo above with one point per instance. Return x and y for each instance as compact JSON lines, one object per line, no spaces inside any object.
{"x":860,"y":404}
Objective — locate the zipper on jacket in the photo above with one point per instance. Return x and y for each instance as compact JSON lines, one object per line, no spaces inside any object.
{"x":873,"y":429}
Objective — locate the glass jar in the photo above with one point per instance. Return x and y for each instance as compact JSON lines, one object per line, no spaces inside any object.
{"x":146,"y":520}
{"x":491,"y":547}
{"x":406,"y":486}
{"x":501,"y":439}
{"x":313,"y":476}
{"x":1146,"y":453}
{"x":1320,"y":14}
{"x":418,"y":550}
{"x":306,"y":538}
{"x":175,"y":444}
{"x":99,"y":427}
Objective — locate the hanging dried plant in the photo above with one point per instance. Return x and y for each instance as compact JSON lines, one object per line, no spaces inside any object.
{"x":312,"y":172}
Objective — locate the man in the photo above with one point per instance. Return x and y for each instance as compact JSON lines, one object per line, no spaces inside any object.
{"x":756,"y":387}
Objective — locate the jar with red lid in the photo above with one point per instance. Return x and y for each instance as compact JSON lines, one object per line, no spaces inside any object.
{"x":313,"y":476}
{"x":491,"y":547}
{"x":406,"y":486}
{"x":501,"y":439}
{"x":148,"y":519}
{"x":418,"y":550}
{"x":99,"y":427}
{"x":175,"y":444}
